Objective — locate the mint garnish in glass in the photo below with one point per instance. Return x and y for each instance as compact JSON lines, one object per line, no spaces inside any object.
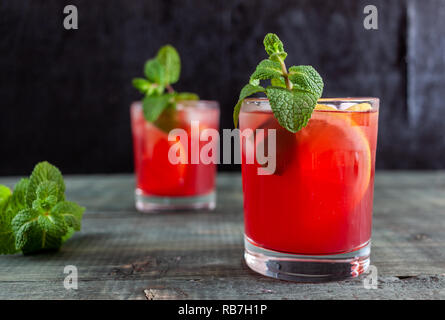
{"x":293,"y":92}
{"x":164,"y":178}
{"x":160,"y":73}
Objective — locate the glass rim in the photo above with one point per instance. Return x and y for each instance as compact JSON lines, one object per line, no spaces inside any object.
{"x":263,"y":102}
{"x":184,"y":104}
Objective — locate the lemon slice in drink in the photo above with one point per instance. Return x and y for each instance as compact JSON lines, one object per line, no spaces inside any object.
{"x":332,"y":150}
{"x":360,"y":107}
{"x":356,"y":107}
{"x":325,"y":107}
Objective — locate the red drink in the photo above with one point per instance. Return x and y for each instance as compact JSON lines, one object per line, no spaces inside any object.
{"x":319,"y":200}
{"x":160,"y":183}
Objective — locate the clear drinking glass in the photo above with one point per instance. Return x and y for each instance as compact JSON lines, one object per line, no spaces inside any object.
{"x":311,"y":219}
{"x":161,"y":184}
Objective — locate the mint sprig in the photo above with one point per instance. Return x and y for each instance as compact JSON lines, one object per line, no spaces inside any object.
{"x":160,"y":73}
{"x":292,"y":94}
{"x":36,"y":216}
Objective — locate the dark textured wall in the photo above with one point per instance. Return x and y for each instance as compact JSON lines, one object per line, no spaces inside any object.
{"x":65,"y":95}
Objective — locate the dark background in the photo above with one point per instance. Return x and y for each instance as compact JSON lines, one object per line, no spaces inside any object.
{"x":65,"y":95}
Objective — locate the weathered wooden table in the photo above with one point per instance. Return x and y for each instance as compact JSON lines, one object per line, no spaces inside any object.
{"x":122,"y":254}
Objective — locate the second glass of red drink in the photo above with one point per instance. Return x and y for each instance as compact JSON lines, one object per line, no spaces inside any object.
{"x":162,"y":184}
{"x":175,"y":140}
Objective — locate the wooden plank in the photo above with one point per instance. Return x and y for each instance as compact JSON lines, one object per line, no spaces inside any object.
{"x":122,"y":254}
{"x":234,"y":287}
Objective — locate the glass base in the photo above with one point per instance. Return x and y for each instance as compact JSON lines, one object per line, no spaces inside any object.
{"x":305,"y":268}
{"x":148,"y":203}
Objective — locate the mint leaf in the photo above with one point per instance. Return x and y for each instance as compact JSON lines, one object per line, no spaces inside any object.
{"x":153,"y":106}
{"x":142,"y":85}
{"x":293,"y":109}
{"x":274,"y":47}
{"x":186,"y":96}
{"x":170,"y":60}
{"x":23,"y":225}
{"x":5,"y":195}
{"x":8,"y":210}
{"x":246,"y":91}
{"x":47,"y":190}
{"x":306,"y":78}
{"x":68,"y":235}
{"x":36,"y":232}
{"x":47,"y":196}
{"x":279,"y":82}
{"x":54,"y":225}
{"x":146,"y":87}
{"x":154,"y":71}
{"x":266,"y":69}
{"x":71,"y":212}
{"x":42,"y":172}
{"x":18,"y":199}
{"x":7,"y":239}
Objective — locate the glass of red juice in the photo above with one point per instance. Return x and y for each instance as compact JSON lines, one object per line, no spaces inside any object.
{"x":310,"y":219}
{"x":165,"y":185}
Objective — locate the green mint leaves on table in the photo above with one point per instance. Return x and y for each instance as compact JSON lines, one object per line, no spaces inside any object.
{"x":292,"y":94}
{"x":160,"y":73}
{"x":36,"y":216}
